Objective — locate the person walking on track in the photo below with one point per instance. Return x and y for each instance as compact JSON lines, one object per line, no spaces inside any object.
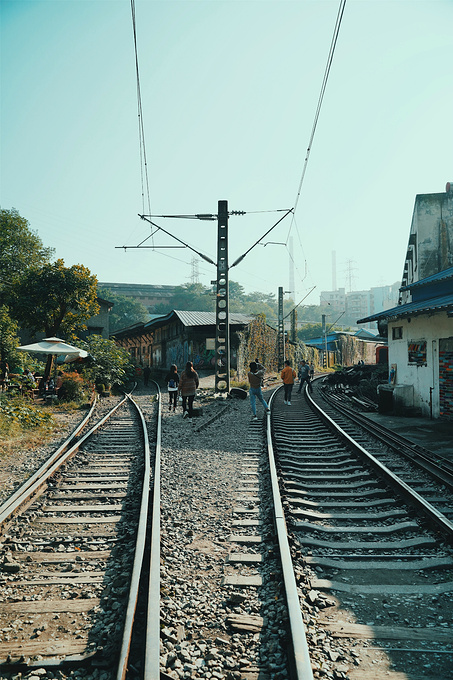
{"x":187,"y":388}
{"x":172,"y":380}
{"x":304,"y":375}
{"x":288,"y":376}
{"x":255,"y":378}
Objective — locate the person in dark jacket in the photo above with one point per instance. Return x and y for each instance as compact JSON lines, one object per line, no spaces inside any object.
{"x":304,"y":375}
{"x":187,"y":388}
{"x":172,"y":380}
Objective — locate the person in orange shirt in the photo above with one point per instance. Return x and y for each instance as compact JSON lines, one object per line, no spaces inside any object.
{"x":288,"y":376}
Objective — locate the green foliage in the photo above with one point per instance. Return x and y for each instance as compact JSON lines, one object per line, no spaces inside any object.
{"x":73,"y":387}
{"x":125,"y":311}
{"x":314,"y":330}
{"x":56,"y":299}
{"x":193,"y":297}
{"x":9,"y":340}
{"x":21,"y":249}
{"x":16,"y":415}
{"x":111,"y":365}
{"x":258,"y":342}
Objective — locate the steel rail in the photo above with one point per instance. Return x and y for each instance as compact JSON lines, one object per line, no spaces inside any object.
{"x":37,"y":481}
{"x":441,"y":468}
{"x":152,"y":647}
{"x":302,"y":663}
{"x":138,"y":555}
{"x":433,"y":515}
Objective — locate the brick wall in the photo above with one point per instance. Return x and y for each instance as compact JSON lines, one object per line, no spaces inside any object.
{"x":446,"y":383}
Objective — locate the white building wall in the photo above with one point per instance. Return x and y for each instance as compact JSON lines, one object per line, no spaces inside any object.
{"x":421,"y":377}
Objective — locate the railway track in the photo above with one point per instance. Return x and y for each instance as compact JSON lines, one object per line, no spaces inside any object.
{"x":72,"y":546}
{"x":364,"y":576}
{"x":375,"y":546}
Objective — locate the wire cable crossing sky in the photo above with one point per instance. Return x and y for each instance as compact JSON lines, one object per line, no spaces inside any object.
{"x":225,"y":93}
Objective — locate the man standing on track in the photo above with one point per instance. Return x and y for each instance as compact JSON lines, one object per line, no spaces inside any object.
{"x":288,"y":375}
{"x":255,"y":378}
{"x":304,"y":375}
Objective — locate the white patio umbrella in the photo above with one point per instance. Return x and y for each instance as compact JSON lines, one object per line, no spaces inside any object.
{"x":55,"y":346}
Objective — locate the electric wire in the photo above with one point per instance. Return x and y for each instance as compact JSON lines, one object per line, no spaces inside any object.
{"x":141,"y":129}
{"x":239,"y":259}
{"x":316,"y":118}
{"x":321,"y":95}
{"x":299,"y":303}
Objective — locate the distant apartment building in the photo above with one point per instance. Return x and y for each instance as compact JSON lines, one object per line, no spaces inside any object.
{"x":335,"y":299}
{"x":346,"y":308}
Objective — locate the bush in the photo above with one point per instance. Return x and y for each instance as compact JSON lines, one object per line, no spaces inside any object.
{"x":110,"y":364}
{"x":73,"y":387}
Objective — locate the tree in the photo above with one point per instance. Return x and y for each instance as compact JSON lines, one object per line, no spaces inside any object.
{"x":125,"y":312}
{"x":193,"y":297}
{"x":309,"y":331}
{"x":56,"y":299}
{"x":111,"y":365}
{"x":235,"y":291}
{"x":9,"y":340}
{"x":20,"y":250}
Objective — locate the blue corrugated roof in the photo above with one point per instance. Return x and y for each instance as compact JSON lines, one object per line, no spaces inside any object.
{"x":438,"y":304}
{"x":440,"y":276}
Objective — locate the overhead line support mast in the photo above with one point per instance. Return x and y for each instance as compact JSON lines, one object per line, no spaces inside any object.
{"x":222,"y":313}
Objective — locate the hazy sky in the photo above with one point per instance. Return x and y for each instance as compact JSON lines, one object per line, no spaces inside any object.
{"x":229,"y":94}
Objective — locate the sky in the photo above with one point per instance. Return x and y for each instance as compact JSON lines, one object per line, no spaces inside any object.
{"x":229,"y":91}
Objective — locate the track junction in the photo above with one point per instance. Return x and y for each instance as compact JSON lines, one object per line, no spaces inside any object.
{"x":224,"y":548}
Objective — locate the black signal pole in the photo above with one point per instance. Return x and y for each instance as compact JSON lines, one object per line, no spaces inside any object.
{"x":222,"y":313}
{"x":280,"y":331}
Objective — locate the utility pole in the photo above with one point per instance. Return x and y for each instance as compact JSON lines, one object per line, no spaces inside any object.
{"x":294,"y":325}
{"x":324,"y":333}
{"x":222,"y":314}
{"x":280,"y":331}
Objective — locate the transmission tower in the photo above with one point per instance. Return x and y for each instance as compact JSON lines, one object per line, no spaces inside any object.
{"x":195,"y":274}
{"x":350,"y":276}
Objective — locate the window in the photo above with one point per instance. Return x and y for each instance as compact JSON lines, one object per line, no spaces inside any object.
{"x":397,"y":332}
{"x":417,"y":353}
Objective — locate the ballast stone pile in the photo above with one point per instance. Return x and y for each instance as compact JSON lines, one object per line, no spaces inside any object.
{"x":200,"y":482}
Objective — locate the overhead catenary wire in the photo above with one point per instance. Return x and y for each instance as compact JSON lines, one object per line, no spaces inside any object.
{"x":321,"y":95}
{"x":210,"y":216}
{"x":316,"y":118}
{"x":197,"y":252}
{"x":141,"y":129}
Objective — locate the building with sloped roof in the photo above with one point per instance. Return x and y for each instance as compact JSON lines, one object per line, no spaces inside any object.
{"x":420,"y":327}
{"x":420,"y":338}
{"x":178,"y":337}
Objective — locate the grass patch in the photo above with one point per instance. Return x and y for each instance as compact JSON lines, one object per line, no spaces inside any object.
{"x":23,"y":424}
{"x":242,"y":384}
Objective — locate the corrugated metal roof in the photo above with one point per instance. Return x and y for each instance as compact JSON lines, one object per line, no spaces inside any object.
{"x":208,"y":318}
{"x":440,"y":276}
{"x":197,"y":319}
{"x":438,"y":304}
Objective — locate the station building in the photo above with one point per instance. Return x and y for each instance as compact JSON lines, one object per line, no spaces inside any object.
{"x":178,"y":337}
{"x":420,"y":327}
